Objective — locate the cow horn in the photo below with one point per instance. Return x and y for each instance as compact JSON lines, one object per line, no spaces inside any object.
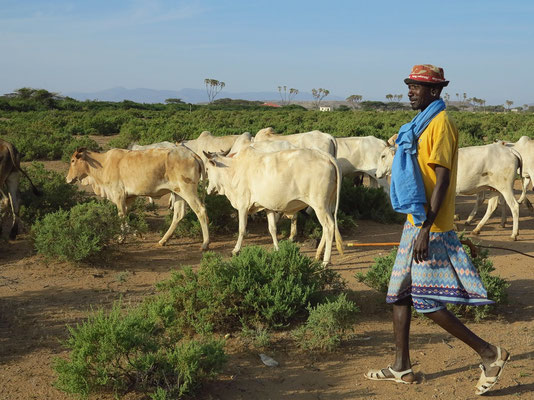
{"x":391,"y":140}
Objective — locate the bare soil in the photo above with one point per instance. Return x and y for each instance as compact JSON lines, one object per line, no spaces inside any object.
{"x":38,"y":299}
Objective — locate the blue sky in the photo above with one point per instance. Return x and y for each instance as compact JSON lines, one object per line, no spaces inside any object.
{"x":348,"y":47}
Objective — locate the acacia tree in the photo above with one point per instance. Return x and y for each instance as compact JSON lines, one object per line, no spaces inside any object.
{"x":213,"y":87}
{"x":354,"y":100}
{"x":509,"y":104}
{"x":389,"y":97}
{"x":318,"y":95}
{"x":287,"y":97}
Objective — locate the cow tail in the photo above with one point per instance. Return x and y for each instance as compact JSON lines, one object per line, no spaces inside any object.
{"x":520,"y":159}
{"x":335,"y":146}
{"x":523,"y":187}
{"x":16,"y":163}
{"x":339,"y":239}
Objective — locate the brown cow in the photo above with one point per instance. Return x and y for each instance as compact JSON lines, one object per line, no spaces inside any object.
{"x":9,"y":179}
{"x":122,"y":175}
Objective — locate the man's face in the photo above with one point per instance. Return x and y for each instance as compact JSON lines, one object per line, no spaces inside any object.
{"x":421,"y":96}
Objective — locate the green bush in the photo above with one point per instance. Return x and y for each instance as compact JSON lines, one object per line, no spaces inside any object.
{"x":362,"y":202}
{"x":377,"y":277}
{"x":127,"y":351}
{"x":256,"y":286}
{"x":326,"y":324}
{"x":56,"y":194}
{"x":77,"y":143}
{"x":78,"y":233}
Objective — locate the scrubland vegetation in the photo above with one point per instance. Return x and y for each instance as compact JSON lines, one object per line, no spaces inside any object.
{"x":168,"y":345}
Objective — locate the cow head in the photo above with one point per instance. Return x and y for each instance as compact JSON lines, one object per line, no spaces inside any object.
{"x":78,"y":167}
{"x":214,"y":169}
{"x":385,"y":161}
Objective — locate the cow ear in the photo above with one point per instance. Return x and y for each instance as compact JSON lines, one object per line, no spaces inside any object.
{"x":81,"y":153}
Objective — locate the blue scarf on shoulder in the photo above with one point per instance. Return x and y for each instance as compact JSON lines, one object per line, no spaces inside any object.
{"x":407,"y":189}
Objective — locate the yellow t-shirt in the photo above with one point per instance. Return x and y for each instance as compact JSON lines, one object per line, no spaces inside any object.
{"x":438,"y":145}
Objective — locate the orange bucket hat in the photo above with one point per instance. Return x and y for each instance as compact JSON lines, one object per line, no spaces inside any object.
{"x":426,"y":74}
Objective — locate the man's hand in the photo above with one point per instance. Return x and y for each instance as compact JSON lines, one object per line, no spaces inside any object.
{"x":420,"y":248}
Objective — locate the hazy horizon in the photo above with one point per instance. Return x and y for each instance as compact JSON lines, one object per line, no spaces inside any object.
{"x":348,"y":47}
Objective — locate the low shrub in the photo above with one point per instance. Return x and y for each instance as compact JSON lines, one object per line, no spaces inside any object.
{"x":377,"y":276}
{"x":77,"y":143}
{"x":56,"y":194}
{"x":127,"y":351}
{"x":379,"y":273}
{"x":362,"y":202}
{"x":326,"y":324}
{"x":78,"y":233}
{"x":256,"y":286}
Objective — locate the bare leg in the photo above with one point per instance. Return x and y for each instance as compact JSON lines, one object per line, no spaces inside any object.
{"x":455,"y":327}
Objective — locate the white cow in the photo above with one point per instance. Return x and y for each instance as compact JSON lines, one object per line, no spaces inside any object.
{"x":524,"y":149}
{"x":491,"y":167}
{"x":284,"y":181}
{"x":360,"y":154}
{"x":210,"y":143}
{"x":307,"y":140}
{"x":247,"y":140}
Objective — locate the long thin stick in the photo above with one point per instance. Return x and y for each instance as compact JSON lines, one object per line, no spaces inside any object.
{"x":354,"y":244}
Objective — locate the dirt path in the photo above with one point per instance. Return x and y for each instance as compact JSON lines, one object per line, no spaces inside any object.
{"x":37,"y":300}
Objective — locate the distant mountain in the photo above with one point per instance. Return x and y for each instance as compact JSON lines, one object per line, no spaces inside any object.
{"x":142,"y":95}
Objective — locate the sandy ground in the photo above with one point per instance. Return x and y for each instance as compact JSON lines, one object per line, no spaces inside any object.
{"x":38,"y":300}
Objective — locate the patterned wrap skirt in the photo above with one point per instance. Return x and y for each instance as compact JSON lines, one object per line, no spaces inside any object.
{"x":447,"y":276}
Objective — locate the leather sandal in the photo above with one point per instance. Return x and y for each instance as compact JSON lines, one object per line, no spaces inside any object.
{"x":485,"y":383}
{"x":378,"y":375}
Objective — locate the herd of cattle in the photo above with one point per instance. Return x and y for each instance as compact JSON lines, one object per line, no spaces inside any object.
{"x":280,"y":174}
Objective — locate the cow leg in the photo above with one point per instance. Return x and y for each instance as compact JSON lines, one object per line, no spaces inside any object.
{"x":242,"y":216}
{"x":384,"y":184}
{"x":327,"y":222}
{"x":177,"y":215}
{"x":200,"y":211}
{"x":172,"y":200}
{"x":122,"y":211}
{"x":12,"y":183}
{"x":373,"y":182}
{"x":503,"y":211}
{"x":514,"y":207}
{"x":479,"y":201}
{"x":271,"y":220}
{"x":293,"y":231}
{"x":493,"y":202}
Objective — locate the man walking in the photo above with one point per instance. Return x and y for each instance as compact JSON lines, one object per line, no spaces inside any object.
{"x":431,"y":267}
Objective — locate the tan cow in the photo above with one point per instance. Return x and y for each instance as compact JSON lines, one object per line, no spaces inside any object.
{"x":9,"y":183}
{"x":122,"y":175}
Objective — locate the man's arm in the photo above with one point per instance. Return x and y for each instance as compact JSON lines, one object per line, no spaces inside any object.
{"x":420,"y":251}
